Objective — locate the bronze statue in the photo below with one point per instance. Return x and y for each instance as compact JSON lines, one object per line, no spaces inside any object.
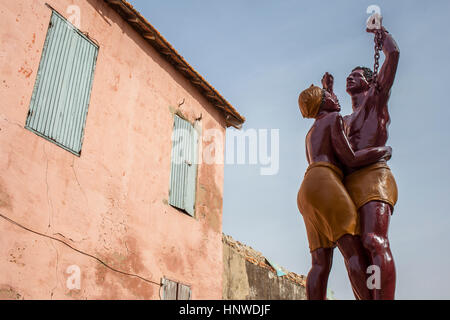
{"x":348,"y":193}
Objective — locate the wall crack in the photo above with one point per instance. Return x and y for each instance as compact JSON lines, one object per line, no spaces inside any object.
{"x":50,"y":204}
{"x":79,"y":251}
{"x":79,"y":185}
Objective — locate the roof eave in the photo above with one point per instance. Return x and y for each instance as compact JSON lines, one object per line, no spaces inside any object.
{"x":157,"y":41}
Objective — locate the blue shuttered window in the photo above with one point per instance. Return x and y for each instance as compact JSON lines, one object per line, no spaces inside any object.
{"x":61,"y":95}
{"x":183,"y":175}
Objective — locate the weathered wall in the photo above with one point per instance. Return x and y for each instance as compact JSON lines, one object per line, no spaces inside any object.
{"x":247,"y":277}
{"x":112,"y":202}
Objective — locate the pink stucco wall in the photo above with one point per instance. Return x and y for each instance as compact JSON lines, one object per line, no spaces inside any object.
{"x":112,"y":201}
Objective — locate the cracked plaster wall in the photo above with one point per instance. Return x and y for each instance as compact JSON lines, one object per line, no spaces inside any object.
{"x":110,"y":203}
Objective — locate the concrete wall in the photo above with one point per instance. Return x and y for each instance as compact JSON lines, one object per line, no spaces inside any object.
{"x":112,"y":202}
{"x":249,"y":278}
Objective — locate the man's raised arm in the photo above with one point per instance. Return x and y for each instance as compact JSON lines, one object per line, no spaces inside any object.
{"x":388,"y":70}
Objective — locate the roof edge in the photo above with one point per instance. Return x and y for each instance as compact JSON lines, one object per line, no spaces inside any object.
{"x":157,"y":41}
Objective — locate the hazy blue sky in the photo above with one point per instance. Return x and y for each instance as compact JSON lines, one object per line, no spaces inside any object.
{"x":260,"y":54}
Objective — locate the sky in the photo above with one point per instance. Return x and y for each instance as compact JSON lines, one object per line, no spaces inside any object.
{"x":261,"y":54}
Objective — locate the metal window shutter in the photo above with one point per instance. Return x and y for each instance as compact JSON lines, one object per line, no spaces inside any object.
{"x":184,"y":292}
{"x":191,"y":181}
{"x":170,"y":290}
{"x":61,"y":95}
{"x":184,"y":166}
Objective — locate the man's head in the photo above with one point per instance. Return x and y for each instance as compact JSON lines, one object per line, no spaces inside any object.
{"x":358,"y":81}
{"x":314,"y":99}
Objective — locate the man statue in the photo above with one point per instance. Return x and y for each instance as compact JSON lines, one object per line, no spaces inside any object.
{"x":373,"y":188}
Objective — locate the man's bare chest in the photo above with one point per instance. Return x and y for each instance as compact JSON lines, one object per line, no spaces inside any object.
{"x":367,"y":127}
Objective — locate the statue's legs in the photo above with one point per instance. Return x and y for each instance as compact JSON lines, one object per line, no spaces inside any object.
{"x":317,"y":280}
{"x":375,"y":217}
{"x":356,"y":262}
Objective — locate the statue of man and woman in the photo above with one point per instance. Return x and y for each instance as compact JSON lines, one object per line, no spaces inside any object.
{"x":348,"y":193}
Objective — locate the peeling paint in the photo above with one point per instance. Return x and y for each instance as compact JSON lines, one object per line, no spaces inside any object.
{"x":9,"y":293}
{"x":15,"y":256}
{"x":26,"y":71}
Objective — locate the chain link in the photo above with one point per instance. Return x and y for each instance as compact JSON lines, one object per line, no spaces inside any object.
{"x":378,"y":48}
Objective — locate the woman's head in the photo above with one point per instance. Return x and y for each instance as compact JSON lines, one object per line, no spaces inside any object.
{"x":314,"y":99}
{"x":330,"y":102}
